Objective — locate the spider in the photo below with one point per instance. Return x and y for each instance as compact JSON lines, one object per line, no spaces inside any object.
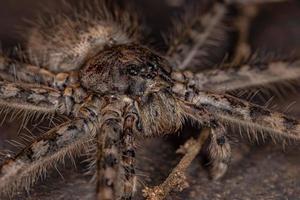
{"x":92,"y":68}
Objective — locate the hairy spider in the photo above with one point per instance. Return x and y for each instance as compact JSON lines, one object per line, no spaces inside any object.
{"x":92,"y":68}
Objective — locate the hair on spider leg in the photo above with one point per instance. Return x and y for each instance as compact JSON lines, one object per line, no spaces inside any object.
{"x":241,"y":76}
{"x":90,"y":167}
{"x":24,"y":118}
{"x":255,"y":135}
{"x":39,"y":166}
{"x":208,"y":36}
{"x":272,"y":96}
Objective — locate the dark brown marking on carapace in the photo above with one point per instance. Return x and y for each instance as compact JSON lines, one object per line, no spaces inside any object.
{"x":128,"y":69}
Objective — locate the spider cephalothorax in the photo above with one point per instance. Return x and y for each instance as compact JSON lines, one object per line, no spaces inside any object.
{"x":140,"y":74}
{"x":92,"y":69}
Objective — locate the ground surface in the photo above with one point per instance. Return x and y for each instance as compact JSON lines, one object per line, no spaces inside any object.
{"x":257,"y":172}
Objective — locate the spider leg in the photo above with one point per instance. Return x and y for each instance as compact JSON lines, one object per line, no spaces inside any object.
{"x":41,"y":99}
{"x":31,"y":97}
{"x":24,"y":169}
{"x":108,"y":158}
{"x":230,"y":109}
{"x":115,"y":159}
{"x":116,"y":153}
{"x":219,"y":151}
{"x":241,"y":76}
{"x":11,"y":70}
{"x":196,"y":35}
{"x":128,"y":153}
{"x":69,"y":138}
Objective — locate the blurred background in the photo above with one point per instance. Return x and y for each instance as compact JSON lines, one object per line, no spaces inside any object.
{"x":258,"y":171}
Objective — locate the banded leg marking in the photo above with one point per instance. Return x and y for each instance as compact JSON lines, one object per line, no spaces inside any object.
{"x":13,"y":71}
{"x":31,"y":97}
{"x":219,"y":151}
{"x":24,"y":169}
{"x":229,"y":108}
{"x":109,"y":158}
{"x":128,"y":158}
{"x":238,"y":77}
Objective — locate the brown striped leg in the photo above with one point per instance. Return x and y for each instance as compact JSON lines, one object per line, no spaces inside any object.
{"x":31,"y":97}
{"x":207,"y":108}
{"x":238,"y":77}
{"x":108,"y":159}
{"x":219,"y":151}
{"x":128,"y":158}
{"x":24,"y":169}
{"x":109,"y":155}
{"x":230,"y":109}
{"x":199,"y":32}
{"x":14,"y":71}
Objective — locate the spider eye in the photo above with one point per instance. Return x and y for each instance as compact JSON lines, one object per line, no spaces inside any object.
{"x":152,"y":66}
{"x":150,"y":76}
{"x":133,"y":70}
